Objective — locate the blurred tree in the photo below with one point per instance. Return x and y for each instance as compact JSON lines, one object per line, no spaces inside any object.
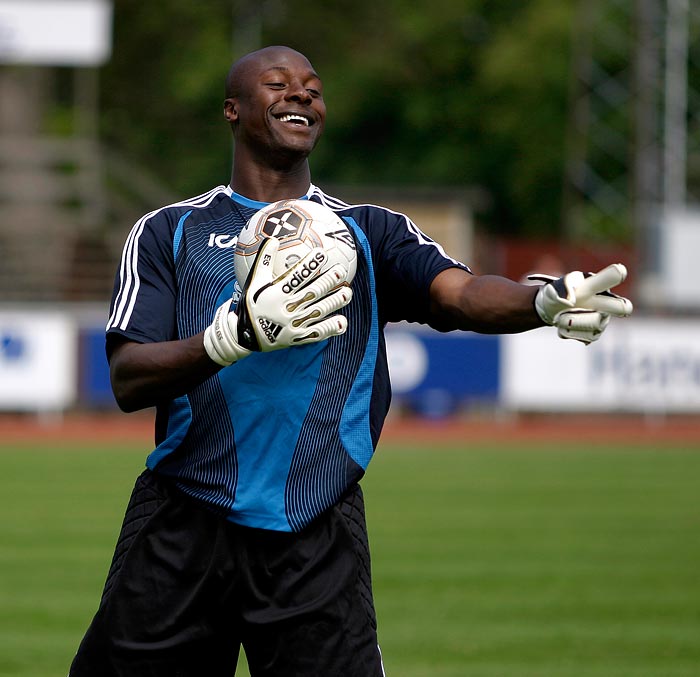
{"x":524,"y":78}
{"x":162,"y":91}
{"x":441,"y":93}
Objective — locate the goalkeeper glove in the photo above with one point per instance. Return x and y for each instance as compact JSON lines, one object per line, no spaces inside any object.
{"x":272,"y":315}
{"x":580,"y":305}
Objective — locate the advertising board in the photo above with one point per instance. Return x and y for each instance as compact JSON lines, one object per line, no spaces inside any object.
{"x":55,"y":32}
{"x":640,"y":365}
{"x":38,"y":361}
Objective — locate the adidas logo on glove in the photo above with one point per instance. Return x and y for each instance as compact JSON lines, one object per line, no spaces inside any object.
{"x":270,"y":329}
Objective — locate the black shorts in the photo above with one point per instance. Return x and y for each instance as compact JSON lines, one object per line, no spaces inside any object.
{"x":187,"y":587}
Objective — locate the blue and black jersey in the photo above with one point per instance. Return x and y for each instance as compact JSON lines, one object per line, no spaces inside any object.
{"x":277,"y":438}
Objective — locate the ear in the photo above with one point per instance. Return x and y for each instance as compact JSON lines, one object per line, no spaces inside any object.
{"x":231,"y":110}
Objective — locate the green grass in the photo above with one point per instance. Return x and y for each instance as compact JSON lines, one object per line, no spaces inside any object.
{"x":538,"y":562}
{"x":487,"y":562}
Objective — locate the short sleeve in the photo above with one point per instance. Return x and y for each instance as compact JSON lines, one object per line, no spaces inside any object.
{"x":406,"y":262}
{"x":145,"y":288}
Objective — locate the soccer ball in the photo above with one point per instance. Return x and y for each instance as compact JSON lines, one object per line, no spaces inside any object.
{"x":300,"y":225}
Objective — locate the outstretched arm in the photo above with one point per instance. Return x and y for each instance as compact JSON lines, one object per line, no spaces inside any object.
{"x":487,"y":304}
{"x":579,"y":305}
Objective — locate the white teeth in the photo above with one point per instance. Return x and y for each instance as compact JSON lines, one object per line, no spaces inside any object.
{"x":295,"y":118}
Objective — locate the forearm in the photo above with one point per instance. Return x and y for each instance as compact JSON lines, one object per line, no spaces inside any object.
{"x":488,"y":304}
{"x":144,"y":374}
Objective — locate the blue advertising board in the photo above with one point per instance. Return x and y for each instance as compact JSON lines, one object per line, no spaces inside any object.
{"x":94,"y":387}
{"x":433,"y":374}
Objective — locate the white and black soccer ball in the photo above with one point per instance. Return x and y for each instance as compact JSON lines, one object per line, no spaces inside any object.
{"x":300,"y":225}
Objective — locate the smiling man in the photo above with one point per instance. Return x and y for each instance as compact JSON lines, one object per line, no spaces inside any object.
{"x":247,"y":526}
{"x":279,"y":97}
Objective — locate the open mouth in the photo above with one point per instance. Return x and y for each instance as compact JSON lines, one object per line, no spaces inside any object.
{"x":295,"y":119}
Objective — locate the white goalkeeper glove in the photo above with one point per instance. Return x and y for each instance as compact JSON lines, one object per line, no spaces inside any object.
{"x":272,"y":314}
{"x":580,"y":305}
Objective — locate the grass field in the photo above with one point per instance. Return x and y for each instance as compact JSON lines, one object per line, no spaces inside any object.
{"x":488,"y":562}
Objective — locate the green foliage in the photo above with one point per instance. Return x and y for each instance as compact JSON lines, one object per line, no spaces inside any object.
{"x":523,"y":76}
{"x":461,"y":94}
{"x":162,"y":92}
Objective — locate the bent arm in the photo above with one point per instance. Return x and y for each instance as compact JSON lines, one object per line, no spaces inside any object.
{"x":144,"y":374}
{"x":487,"y":304}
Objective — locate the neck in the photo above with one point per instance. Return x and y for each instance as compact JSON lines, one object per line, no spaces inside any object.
{"x":269,"y":184}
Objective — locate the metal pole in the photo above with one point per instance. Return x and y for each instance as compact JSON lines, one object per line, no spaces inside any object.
{"x":575,"y":168}
{"x":647,"y":179}
{"x":676,"y":105}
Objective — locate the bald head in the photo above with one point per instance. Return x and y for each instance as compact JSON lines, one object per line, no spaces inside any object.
{"x":255,"y":62}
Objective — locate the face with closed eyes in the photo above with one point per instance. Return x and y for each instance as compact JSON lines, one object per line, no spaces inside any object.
{"x":275,"y":103}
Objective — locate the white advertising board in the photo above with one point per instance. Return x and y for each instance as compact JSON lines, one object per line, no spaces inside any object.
{"x":680,"y":244}
{"x":55,"y":32}
{"x":38,"y":361}
{"x":639,"y":365}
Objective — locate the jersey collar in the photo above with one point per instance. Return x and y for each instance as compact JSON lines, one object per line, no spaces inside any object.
{"x":256,"y":204}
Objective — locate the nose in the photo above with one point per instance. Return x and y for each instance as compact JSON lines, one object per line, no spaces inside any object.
{"x":298,"y":93}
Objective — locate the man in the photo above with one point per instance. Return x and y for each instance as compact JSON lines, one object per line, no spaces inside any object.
{"x":248,"y":525}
